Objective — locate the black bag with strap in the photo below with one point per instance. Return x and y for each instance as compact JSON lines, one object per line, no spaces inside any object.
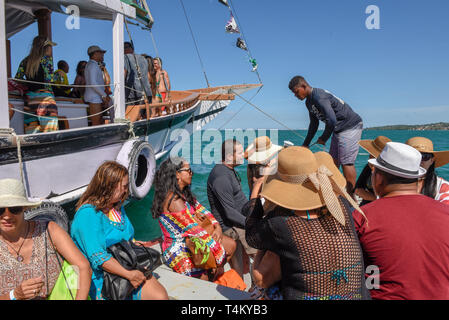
{"x":131,"y":256}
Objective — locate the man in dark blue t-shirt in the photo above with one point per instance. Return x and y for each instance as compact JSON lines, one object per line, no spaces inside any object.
{"x":341,"y":121}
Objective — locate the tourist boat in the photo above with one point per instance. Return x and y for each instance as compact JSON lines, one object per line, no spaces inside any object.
{"x":57,"y":166}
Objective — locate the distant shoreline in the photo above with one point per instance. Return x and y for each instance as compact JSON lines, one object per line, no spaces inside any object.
{"x":440,"y":126}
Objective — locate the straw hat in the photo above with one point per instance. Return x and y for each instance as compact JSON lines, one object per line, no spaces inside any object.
{"x":426,"y":146}
{"x":12,"y":194}
{"x":374,"y":147}
{"x":399,"y":160}
{"x":306,"y":181}
{"x":261,"y":150}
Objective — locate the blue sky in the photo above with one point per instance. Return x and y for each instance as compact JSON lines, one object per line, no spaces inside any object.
{"x":395,"y":75}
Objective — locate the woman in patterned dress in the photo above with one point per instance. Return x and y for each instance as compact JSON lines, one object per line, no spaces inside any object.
{"x":38,"y":67}
{"x":28,"y":262}
{"x":100,"y":222}
{"x":175,"y":206}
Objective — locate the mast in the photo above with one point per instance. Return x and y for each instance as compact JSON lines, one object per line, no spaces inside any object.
{"x":43,"y":17}
{"x":4,"y":114}
{"x":119,"y":65}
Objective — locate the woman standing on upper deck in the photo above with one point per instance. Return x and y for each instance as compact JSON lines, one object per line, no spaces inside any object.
{"x":162,"y":80}
{"x":38,"y":67}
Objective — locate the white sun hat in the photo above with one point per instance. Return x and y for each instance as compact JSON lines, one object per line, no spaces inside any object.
{"x":399,"y":160}
{"x":261,"y":150}
{"x":12,"y":194}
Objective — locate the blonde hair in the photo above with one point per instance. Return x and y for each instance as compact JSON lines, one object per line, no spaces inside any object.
{"x":37,"y":52}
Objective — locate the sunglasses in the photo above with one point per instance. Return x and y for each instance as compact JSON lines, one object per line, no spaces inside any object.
{"x":13,"y":210}
{"x":426,"y":156}
{"x":189,"y":170}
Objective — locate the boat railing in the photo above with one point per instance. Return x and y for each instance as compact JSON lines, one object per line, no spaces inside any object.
{"x":178,"y":102}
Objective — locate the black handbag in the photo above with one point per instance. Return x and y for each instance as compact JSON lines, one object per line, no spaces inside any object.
{"x":131,"y":256}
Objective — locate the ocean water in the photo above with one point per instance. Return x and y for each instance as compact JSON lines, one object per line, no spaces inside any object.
{"x":202,"y":158}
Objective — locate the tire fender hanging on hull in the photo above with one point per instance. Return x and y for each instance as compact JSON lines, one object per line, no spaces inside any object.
{"x":49,"y":211}
{"x":138,"y":157}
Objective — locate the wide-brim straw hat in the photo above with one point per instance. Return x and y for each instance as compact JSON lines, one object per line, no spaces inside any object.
{"x":399,"y":160}
{"x":426,"y":146}
{"x":261,"y":150}
{"x":374,"y":147}
{"x":306,"y":181}
{"x":12,"y":194}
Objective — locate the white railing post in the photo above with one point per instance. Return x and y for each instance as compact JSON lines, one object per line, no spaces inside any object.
{"x":119,"y":66}
{"x":4,"y":110}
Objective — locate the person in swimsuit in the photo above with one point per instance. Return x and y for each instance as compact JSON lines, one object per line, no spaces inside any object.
{"x":162,"y":81}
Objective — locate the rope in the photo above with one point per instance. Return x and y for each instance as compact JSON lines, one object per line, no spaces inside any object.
{"x":61,"y":85}
{"x":274,"y":119}
{"x":51,"y":118}
{"x":12,"y":132}
{"x":157,"y":55}
{"x":194,"y":41}
{"x":139,"y":73}
{"x":74,"y":85}
{"x":232,"y":10}
{"x":129,"y":123}
{"x":241,"y":109}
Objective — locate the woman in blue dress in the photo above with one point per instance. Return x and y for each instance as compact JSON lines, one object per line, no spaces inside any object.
{"x":101,"y":221}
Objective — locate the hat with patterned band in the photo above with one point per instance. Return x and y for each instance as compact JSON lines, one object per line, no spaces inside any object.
{"x":425,"y":145}
{"x":306,"y":181}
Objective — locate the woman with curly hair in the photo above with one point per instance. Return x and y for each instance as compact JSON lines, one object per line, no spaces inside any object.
{"x":100,"y":222}
{"x":177,"y":210}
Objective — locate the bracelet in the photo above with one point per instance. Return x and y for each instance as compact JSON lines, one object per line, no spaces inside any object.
{"x":11,"y":295}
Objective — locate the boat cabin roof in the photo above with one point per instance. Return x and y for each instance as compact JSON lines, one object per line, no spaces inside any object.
{"x":20,"y":13}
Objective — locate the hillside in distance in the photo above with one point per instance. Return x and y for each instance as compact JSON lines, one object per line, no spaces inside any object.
{"x":419,"y":127}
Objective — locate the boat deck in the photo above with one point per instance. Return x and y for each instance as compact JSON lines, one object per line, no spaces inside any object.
{"x":181,"y":287}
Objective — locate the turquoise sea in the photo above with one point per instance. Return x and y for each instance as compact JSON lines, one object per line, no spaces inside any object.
{"x":147,"y":228}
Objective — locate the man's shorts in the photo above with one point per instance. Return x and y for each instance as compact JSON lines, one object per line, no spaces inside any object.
{"x":345,"y":145}
{"x":239,"y":234}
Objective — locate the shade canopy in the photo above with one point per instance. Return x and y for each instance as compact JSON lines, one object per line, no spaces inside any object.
{"x":20,"y":13}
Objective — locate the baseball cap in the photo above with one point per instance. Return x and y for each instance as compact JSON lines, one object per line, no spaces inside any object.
{"x":93,"y":49}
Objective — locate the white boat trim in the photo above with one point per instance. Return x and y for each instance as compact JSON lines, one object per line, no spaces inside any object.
{"x":4,"y":110}
{"x":117,"y":6}
{"x":119,"y":66}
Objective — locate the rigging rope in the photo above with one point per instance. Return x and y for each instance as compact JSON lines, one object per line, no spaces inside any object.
{"x":232,"y":10}
{"x":51,"y":118}
{"x":194,"y":41}
{"x":12,"y":132}
{"x":139,"y":73}
{"x":240,"y":110}
{"x":275,"y":120}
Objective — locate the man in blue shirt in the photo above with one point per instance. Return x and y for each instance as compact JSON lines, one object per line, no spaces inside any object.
{"x":341,"y":121}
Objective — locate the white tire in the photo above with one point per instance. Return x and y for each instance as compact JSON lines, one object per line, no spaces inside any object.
{"x":138,"y":157}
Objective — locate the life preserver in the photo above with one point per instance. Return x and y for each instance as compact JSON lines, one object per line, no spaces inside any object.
{"x":49,"y":211}
{"x":138,"y":157}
